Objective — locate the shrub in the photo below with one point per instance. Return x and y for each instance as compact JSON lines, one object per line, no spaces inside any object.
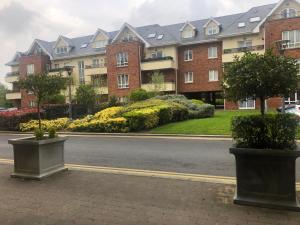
{"x":112,"y":101}
{"x":39,"y":134}
{"x":142,"y":119}
{"x":11,"y":120}
{"x":56,"y":111}
{"x":108,"y":113}
{"x":203,"y":111}
{"x":52,"y":133}
{"x":139,"y":95}
{"x":58,"y":124}
{"x":269,"y":131}
{"x":197,"y":102}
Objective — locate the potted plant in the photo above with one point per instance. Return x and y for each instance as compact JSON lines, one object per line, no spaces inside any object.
{"x":265,"y":149}
{"x":39,"y":156}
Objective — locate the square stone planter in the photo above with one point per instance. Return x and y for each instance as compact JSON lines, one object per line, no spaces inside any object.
{"x":36,"y":159}
{"x":266,"y":178}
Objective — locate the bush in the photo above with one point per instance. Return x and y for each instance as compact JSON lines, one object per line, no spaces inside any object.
{"x":197,"y":102}
{"x":39,"y":134}
{"x":56,"y":111}
{"x":142,"y":119}
{"x":10,"y":121}
{"x":58,"y":124}
{"x":203,"y":111}
{"x":108,"y":113}
{"x":112,"y":101}
{"x":139,"y":95}
{"x":52,"y":133}
{"x":265,"y":132}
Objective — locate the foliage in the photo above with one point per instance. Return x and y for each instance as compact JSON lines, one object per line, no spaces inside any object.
{"x":108,"y":113}
{"x":197,"y":102}
{"x":57,"y":124}
{"x":11,"y":120}
{"x":55,"y":99}
{"x":112,"y":101}
{"x":42,"y":86}
{"x":86,"y":95}
{"x":3,"y":102}
{"x":39,"y":134}
{"x":52,"y":133}
{"x":260,"y":76}
{"x":276,"y":131}
{"x":157,"y":79}
{"x":139,"y":95}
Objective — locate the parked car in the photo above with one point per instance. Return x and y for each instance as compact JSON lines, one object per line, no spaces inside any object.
{"x":292,"y":108}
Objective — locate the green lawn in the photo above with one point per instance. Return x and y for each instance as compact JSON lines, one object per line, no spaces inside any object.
{"x":218,"y":125}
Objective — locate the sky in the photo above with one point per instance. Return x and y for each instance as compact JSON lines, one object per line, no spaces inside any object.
{"x":23,"y":21}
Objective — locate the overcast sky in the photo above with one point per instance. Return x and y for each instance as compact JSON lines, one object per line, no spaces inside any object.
{"x":23,"y":21}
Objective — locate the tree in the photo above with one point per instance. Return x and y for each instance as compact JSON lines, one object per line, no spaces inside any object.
{"x":3,"y":101}
{"x":42,"y":86}
{"x":260,"y":76}
{"x":86,"y":95}
{"x":138,"y":95}
{"x":157,"y":79}
{"x":55,"y":99}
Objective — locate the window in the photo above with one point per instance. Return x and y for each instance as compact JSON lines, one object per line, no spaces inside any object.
{"x":293,"y":99}
{"x":96,"y":63}
{"x":56,"y":66}
{"x":248,"y":104}
{"x":123,"y":81}
{"x":30,"y":69}
{"x":213,"y":75}
{"x":122,"y":59}
{"x":188,"y":33}
{"x":242,"y":24}
{"x":122,"y":99}
{"x":245,"y":44}
{"x":189,"y":77}
{"x":212,"y":52}
{"x":61,"y":50}
{"x":128,"y":37}
{"x":159,"y":37}
{"x":84,"y":45}
{"x":152,"y":35}
{"x":211,"y":30}
{"x":254,"y":19}
{"x":294,"y":38}
{"x":31,"y":104}
{"x":288,"y":13}
{"x":81,"y":71}
{"x":188,"y":55}
{"x":100,"y":44}
{"x":157,"y":54}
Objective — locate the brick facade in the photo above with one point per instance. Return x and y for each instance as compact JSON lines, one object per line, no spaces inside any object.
{"x":200,"y":66}
{"x":133,"y":70}
{"x":40,"y":62}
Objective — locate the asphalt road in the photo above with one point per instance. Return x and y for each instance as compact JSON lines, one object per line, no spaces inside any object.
{"x":208,"y":157}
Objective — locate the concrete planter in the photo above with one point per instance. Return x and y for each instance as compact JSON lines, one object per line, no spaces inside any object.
{"x":266,"y":178}
{"x":35,"y":159}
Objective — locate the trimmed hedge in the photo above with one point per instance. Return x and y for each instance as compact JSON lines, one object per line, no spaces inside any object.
{"x":276,"y":131}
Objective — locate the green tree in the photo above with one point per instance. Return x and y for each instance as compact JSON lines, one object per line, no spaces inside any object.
{"x":139,"y":95}
{"x":86,"y":95}
{"x":42,"y":86}
{"x":55,"y":99}
{"x":3,"y":101}
{"x":260,"y":76}
{"x":157,"y":79}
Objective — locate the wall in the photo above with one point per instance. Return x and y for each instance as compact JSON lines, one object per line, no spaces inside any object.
{"x":167,"y":51}
{"x":200,"y":66}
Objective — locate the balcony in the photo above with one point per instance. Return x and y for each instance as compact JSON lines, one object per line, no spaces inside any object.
{"x":229,"y":54}
{"x":101,"y":90}
{"x":158,"y":63}
{"x":13,"y":95}
{"x":95,"y":69}
{"x":167,"y":86}
{"x":62,"y":71}
{"x":12,"y":77}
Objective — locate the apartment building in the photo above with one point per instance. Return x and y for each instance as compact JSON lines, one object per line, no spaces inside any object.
{"x":190,"y":55}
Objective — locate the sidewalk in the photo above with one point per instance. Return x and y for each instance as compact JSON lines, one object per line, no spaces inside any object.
{"x":89,"y":198}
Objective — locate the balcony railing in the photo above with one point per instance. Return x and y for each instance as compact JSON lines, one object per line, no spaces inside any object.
{"x":279,"y":16}
{"x":244,"y":49}
{"x":11,"y":74}
{"x":101,"y":65}
{"x":158,"y":59}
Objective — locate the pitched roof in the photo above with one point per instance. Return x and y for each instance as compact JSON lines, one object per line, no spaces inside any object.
{"x":169,"y":34}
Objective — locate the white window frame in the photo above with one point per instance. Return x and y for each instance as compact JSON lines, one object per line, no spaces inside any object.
{"x":291,"y":35}
{"x":100,"y":44}
{"x":157,"y":54}
{"x":212,"y":30}
{"x":188,"y":34}
{"x":247,"y":105}
{"x":32,"y":104}
{"x":30,"y":69}
{"x":213,"y":52}
{"x":189,"y":78}
{"x":244,"y":43}
{"x":96,"y":63}
{"x":287,"y":14}
{"x":213,"y":75}
{"x":123,"y":81}
{"x":61,"y":50}
{"x":188,"y":55}
{"x":122,"y":59}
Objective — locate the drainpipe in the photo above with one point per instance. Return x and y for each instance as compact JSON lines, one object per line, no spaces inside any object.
{"x":140,"y":62}
{"x":176,"y":72}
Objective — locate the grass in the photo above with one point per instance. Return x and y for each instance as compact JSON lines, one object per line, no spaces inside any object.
{"x":218,"y":125}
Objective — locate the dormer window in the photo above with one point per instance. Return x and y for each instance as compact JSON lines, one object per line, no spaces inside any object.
{"x":188,"y":31}
{"x":212,"y":30}
{"x":100,"y":44}
{"x":61,"y":50}
{"x":288,"y":13}
{"x":212,"y":27}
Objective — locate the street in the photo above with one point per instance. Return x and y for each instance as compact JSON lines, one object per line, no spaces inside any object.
{"x":190,"y":155}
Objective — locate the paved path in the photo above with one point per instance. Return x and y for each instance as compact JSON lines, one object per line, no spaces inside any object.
{"x":208,"y":157}
{"x":88,"y":198}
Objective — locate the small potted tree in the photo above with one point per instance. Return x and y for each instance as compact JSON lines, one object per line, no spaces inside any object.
{"x":265,"y":149}
{"x":39,"y":156}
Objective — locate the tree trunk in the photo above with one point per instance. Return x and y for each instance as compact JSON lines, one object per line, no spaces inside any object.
{"x":39,"y":114}
{"x":262,"y":106}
